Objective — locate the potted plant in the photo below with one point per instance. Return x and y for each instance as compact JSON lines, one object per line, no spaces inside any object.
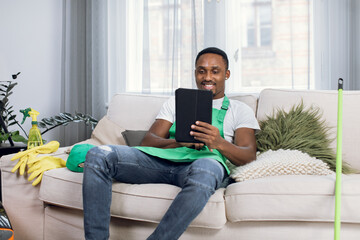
{"x":8,"y":117}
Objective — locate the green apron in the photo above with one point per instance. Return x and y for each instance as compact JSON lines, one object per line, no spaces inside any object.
{"x":185,"y":154}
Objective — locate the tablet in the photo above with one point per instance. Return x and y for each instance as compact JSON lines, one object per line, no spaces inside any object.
{"x":191,"y":105}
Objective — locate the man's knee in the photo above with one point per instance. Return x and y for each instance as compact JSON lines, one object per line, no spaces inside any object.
{"x":207,"y":173}
{"x":100,"y":157}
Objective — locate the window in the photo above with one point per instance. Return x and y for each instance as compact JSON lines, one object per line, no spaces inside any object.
{"x":153,"y":43}
{"x":258,"y":16}
{"x":277,"y":47}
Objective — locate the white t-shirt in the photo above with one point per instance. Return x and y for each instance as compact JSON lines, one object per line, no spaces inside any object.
{"x":238,"y":115}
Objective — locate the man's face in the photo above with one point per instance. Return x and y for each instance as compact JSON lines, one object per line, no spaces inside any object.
{"x":210,"y":74}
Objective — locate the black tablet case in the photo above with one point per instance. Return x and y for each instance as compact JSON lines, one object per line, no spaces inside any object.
{"x":191,"y":105}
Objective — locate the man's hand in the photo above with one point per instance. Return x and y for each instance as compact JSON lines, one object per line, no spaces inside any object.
{"x":242,"y":151}
{"x":207,"y":134}
{"x":196,"y":146}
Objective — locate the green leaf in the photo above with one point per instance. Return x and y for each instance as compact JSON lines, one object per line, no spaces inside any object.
{"x":66,"y":116}
{"x":58,"y":119}
{"x":80,"y":115}
{"x":4,"y":137}
{"x":48,"y":121}
{"x":11,"y":124}
{"x":11,"y":86}
{"x":19,"y":138}
{"x":41,"y":125}
{"x":93,"y":119}
{"x":12,"y":117}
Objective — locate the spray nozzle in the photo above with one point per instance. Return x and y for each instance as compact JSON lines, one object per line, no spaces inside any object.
{"x":33,"y":114}
{"x":29,"y":112}
{"x":25,"y":113}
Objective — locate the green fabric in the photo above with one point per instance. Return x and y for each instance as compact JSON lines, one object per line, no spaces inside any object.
{"x":77,"y":156}
{"x":299,"y":129}
{"x":185,"y":154}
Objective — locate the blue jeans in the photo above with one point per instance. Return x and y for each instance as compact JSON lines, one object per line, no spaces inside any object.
{"x":198,"y":180}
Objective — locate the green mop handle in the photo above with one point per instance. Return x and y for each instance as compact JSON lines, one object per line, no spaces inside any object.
{"x":337,"y":221}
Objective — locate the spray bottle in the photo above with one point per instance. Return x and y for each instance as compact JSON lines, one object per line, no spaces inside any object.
{"x":34,"y":133}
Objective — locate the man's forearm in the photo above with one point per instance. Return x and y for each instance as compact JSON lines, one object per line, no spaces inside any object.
{"x":236,"y":154}
{"x":152,"y":140}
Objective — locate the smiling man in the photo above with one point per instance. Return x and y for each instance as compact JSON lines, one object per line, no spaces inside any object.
{"x":212,"y":71}
{"x":161,"y":159}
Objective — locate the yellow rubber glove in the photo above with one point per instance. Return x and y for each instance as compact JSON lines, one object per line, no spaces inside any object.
{"x":42,"y":164}
{"x":25,"y":156}
{"x":21,"y":164}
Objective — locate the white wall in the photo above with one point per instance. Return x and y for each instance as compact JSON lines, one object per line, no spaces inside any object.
{"x":30,"y":43}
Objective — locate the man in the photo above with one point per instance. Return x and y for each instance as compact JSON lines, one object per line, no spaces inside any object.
{"x":161,"y":159}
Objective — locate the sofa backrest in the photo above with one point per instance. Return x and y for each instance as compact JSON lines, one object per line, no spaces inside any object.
{"x":138,"y":111}
{"x":327,"y":101}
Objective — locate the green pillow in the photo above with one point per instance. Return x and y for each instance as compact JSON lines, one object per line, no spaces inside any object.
{"x":299,"y":129}
{"x":77,"y":156}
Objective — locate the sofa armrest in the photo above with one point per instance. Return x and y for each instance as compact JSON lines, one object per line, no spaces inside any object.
{"x":21,"y":200}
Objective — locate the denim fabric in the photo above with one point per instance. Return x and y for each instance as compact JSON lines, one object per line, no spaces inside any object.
{"x":198,"y":180}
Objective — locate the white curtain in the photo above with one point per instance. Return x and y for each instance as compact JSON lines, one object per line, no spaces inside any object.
{"x":84,"y":64}
{"x":337,"y":37}
{"x":153,"y":44}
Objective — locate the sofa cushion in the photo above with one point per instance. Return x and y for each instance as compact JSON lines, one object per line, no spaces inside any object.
{"x":105,"y":132}
{"x":292,"y":198}
{"x":135,"y":111}
{"x":249,"y":100}
{"x":281,"y":162}
{"x":108,"y":132}
{"x":144,"y":202}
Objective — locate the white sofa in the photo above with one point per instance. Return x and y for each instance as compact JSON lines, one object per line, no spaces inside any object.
{"x":282,"y":207}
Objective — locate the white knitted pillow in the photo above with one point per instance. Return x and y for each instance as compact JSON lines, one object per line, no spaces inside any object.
{"x":281,"y":162}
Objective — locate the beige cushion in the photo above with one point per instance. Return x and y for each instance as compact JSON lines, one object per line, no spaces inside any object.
{"x":106,"y":132}
{"x":250,"y":100}
{"x":292,"y":198}
{"x":135,"y":111}
{"x":281,"y":162}
{"x":145,"y":202}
